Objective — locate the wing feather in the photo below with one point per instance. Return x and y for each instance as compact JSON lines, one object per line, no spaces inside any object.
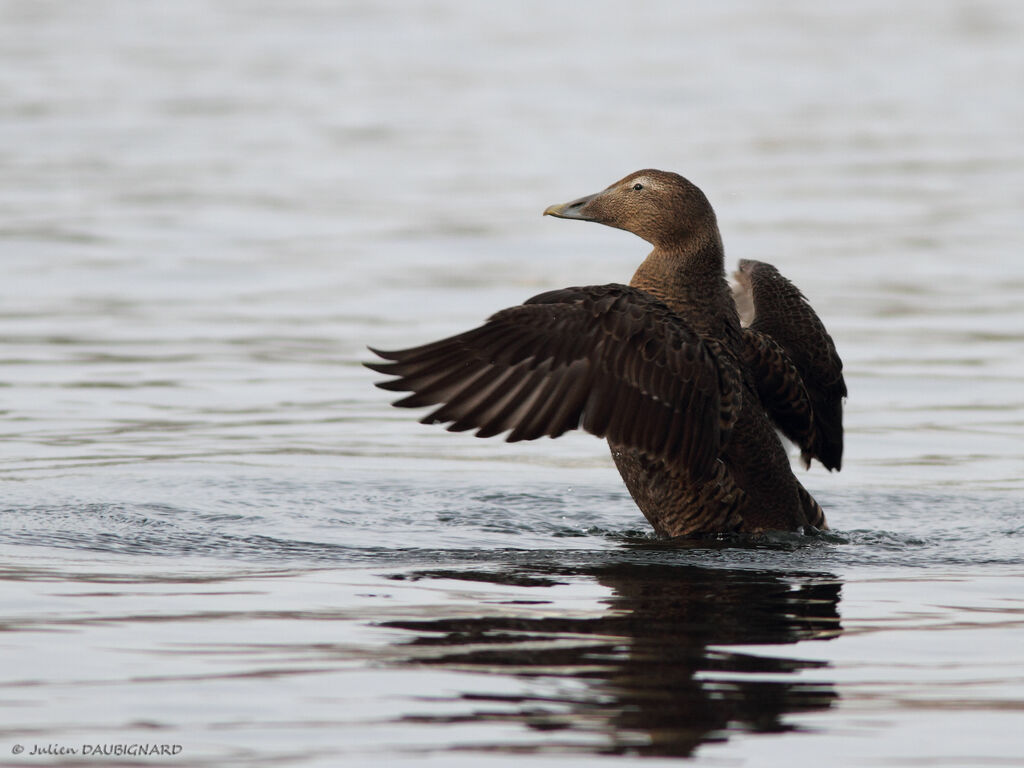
{"x":795,"y":362}
{"x":611,"y":359}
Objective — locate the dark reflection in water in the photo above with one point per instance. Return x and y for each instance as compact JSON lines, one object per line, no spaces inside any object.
{"x":652,"y":676}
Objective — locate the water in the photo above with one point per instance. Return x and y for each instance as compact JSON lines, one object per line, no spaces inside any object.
{"x":217,"y":535}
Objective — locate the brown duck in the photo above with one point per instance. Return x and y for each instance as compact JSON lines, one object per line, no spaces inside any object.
{"x":688,"y":397}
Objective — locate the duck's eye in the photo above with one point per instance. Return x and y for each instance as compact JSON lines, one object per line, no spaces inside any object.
{"x":638,"y":187}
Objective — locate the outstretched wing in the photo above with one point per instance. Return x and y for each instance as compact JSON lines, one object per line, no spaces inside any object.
{"x":609,"y":358}
{"x":794,"y":361}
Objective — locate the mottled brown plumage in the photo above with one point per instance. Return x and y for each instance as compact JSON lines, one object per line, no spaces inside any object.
{"x":798,"y":371}
{"x":662,"y":368}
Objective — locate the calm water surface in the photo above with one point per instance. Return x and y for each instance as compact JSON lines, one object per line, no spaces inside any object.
{"x":215,"y":532}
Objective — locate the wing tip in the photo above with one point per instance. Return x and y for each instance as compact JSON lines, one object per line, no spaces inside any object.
{"x":381,"y":353}
{"x":385,"y":367}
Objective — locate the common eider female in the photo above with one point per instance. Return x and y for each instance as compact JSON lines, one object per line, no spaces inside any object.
{"x":685,"y":394}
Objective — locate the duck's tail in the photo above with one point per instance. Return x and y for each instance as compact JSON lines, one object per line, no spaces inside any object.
{"x":812,"y":510}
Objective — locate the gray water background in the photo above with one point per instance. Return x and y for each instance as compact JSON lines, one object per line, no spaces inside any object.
{"x":216,"y":533}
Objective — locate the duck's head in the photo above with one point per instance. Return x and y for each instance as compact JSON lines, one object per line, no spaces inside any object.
{"x":661,"y":207}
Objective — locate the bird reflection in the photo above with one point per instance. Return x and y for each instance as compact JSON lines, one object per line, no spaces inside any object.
{"x":658,"y":673}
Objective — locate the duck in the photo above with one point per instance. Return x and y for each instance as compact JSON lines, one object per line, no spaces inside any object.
{"x":692,"y":381}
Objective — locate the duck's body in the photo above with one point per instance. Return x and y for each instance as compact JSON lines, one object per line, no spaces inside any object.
{"x":685,"y":395}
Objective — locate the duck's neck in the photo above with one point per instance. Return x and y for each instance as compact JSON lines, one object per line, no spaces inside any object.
{"x":690,"y":278}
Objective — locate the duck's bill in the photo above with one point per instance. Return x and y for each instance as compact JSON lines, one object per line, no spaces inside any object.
{"x":577,"y":209}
